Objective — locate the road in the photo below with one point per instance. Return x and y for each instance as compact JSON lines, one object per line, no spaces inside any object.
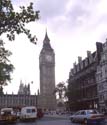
{"x":51,"y":121}
{"x":47,"y":121}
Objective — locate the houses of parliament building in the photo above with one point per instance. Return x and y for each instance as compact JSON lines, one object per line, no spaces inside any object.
{"x":46,"y":99}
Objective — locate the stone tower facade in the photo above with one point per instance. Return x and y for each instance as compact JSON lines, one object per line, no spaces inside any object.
{"x":47,"y":76}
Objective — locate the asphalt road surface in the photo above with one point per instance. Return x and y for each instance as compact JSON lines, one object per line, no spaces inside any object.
{"x":52,"y":121}
{"x":48,"y":121}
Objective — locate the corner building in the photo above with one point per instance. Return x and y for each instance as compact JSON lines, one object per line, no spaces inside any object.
{"x":47,"y":99}
{"x":82,"y":84}
{"x":101,"y":78}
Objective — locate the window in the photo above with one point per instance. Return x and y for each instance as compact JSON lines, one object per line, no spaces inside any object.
{"x":83,"y":113}
{"x":92,"y":112}
{"x":28,"y":110}
{"x":33,"y":110}
{"x":77,"y":113}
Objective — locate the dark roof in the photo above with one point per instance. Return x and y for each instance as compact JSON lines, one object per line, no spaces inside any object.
{"x":46,"y":43}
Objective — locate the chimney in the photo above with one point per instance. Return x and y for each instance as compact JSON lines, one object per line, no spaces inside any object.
{"x":79,"y":59}
{"x":99,"y":50}
{"x":88,"y":53}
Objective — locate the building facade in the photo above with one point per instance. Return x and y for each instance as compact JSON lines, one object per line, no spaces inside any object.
{"x":17,"y":101}
{"x":101,"y":79}
{"x":24,"y":89}
{"x":82,"y":85}
{"x":23,"y":98}
{"x":47,"y":99}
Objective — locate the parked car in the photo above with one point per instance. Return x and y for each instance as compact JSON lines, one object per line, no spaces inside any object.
{"x":28,"y":113}
{"x":7,"y":115}
{"x":87,"y":116}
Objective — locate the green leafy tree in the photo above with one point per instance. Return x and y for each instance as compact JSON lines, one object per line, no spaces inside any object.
{"x":12,"y":23}
{"x":5,"y":66}
{"x":60,"y":90}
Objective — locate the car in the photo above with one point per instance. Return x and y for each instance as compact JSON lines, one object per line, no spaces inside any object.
{"x":28,"y":113}
{"x":7,"y":115}
{"x":87,"y":116}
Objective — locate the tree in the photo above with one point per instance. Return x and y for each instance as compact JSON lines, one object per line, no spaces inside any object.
{"x":60,"y":89}
{"x":5,"y":67}
{"x":12,"y":22}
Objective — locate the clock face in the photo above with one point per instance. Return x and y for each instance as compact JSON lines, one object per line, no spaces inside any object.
{"x":49,"y":58}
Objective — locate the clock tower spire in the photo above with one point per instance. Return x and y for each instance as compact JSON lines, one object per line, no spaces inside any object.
{"x":46,"y":42}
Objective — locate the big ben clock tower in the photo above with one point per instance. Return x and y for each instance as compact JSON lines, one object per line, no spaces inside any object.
{"x":47,"y":75}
